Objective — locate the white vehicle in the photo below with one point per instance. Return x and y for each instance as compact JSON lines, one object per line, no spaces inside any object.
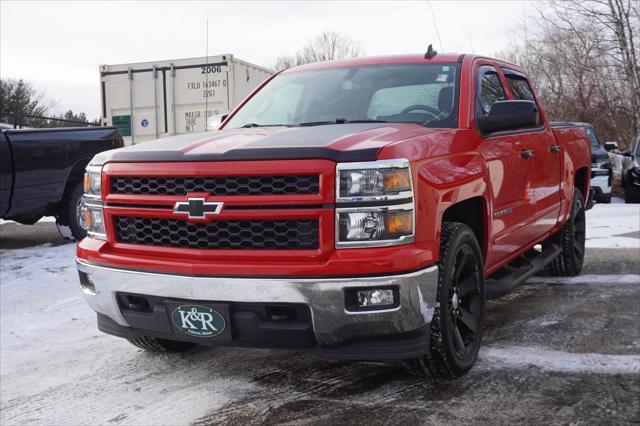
{"x":150,"y":100}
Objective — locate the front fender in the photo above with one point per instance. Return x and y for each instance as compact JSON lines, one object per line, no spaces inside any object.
{"x":443,"y":182}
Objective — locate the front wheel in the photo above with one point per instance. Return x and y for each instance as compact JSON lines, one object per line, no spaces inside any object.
{"x":458,"y":317}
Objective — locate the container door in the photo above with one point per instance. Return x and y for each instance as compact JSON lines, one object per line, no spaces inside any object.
{"x":196,"y":93}
{"x":135,"y":104}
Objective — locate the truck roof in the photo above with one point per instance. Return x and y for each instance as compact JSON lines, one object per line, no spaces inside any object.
{"x":390,"y":59}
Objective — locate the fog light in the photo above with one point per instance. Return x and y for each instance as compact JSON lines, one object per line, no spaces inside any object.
{"x":376,"y":297}
{"x":86,"y":284}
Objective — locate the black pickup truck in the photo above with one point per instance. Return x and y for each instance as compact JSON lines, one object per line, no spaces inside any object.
{"x":41,"y":173}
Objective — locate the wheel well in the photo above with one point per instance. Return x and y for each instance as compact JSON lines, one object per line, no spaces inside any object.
{"x":473,"y":213}
{"x":76,"y":174}
{"x":582,"y":181}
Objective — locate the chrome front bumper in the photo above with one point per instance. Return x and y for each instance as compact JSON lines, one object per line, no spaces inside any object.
{"x":332,"y":323}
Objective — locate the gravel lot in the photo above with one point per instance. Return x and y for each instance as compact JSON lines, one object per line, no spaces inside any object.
{"x":555,"y":351}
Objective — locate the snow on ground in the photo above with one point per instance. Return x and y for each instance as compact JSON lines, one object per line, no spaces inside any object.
{"x":613,"y":226}
{"x":558,"y":361}
{"x":593,"y":279}
{"x":51,"y":348}
{"x":44,"y":219}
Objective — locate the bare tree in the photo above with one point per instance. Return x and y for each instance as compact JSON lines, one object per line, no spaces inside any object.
{"x":326,"y":46}
{"x":583,"y":60}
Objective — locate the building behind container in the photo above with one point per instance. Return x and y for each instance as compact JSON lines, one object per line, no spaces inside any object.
{"x":151,"y":100}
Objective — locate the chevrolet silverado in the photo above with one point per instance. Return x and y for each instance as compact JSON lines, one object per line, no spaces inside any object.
{"x":363,"y":209}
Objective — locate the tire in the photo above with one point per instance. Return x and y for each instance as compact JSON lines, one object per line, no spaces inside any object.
{"x":152,"y":344}
{"x":71,"y":210}
{"x":458,"y":317}
{"x":571,"y":240}
{"x":631,"y":196}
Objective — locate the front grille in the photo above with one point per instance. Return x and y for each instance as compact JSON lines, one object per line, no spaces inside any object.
{"x":300,"y":234}
{"x":220,"y":185}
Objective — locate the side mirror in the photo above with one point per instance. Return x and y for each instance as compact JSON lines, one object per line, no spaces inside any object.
{"x":627,"y":153}
{"x":610,"y":145}
{"x":509,"y":115}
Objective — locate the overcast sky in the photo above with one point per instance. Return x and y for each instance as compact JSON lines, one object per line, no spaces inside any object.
{"x":59,"y":45}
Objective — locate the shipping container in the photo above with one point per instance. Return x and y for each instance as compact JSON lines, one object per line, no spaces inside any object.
{"x":151,"y":100}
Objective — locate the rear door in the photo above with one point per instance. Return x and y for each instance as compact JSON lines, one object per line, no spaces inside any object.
{"x":509,"y":172}
{"x":545,"y":163}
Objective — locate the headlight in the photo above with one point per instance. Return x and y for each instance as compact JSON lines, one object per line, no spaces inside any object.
{"x":92,"y":184}
{"x":374,"y":226}
{"x":92,"y":209}
{"x":375,"y":180}
{"x":94,"y":219}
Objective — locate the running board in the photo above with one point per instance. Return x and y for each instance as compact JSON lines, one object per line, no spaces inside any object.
{"x":517,"y":272}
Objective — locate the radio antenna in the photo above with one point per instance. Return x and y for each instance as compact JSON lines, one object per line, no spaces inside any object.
{"x":435,"y":26}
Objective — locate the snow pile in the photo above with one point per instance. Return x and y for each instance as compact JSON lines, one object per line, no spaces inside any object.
{"x":558,"y":361}
{"x":613,"y":226}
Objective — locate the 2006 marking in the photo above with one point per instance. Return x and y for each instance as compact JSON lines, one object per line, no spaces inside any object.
{"x":208,"y":69}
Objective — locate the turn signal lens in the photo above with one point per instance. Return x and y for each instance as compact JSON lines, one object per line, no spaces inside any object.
{"x":397,"y":180}
{"x":400,"y":223}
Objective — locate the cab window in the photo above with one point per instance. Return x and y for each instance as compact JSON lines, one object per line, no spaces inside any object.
{"x":489,"y":91}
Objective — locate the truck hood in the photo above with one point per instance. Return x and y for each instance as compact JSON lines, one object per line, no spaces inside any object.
{"x":337,"y":142}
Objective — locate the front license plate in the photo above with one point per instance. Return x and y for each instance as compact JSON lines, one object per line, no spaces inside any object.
{"x":201,"y":320}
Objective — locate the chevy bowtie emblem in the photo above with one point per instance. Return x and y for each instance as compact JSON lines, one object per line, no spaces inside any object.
{"x":197,"y":208}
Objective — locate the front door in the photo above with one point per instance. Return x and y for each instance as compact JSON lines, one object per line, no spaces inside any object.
{"x":545,"y":162}
{"x":510,"y":173}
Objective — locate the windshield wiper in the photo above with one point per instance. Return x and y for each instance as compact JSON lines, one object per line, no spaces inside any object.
{"x":247,"y":125}
{"x":339,"y":121}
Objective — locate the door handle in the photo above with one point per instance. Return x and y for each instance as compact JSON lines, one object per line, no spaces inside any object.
{"x":555,"y":149}
{"x":527,"y":153}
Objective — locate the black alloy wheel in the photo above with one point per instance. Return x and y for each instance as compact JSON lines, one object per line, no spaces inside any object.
{"x":465,"y":302}
{"x":458,"y":316}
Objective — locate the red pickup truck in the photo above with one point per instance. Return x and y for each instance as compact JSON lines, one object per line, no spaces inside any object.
{"x":362,"y":209}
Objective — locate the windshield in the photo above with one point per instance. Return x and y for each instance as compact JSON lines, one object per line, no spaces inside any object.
{"x":592,"y":137}
{"x":425,"y":94}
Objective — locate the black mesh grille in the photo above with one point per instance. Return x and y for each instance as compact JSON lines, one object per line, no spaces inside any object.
{"x":301,"y":234}
{"x":223,"y":185}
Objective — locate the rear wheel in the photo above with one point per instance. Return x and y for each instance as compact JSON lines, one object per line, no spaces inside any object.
{"x":457,"y":323}
{"x":572,"y":241}
{"x":152,"y":344}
